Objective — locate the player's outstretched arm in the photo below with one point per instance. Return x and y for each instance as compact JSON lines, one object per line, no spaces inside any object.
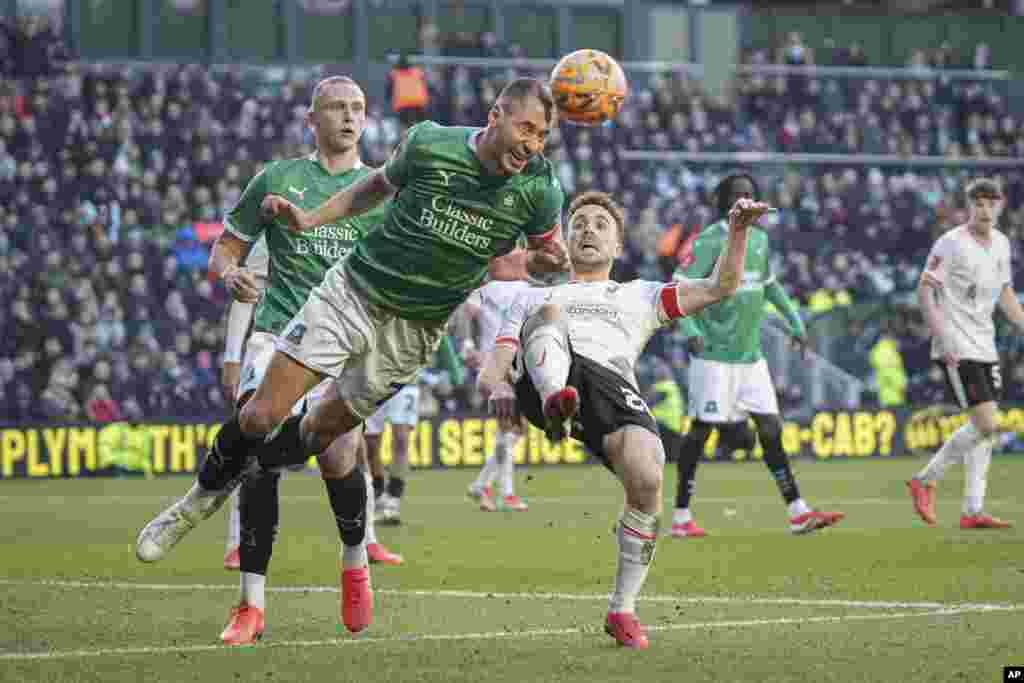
{"x":928,"y":291}
{"x":1010,"y":305}
{"x":358,"y":198}
{"x":225,"y":256}
{"x":694,"y":295}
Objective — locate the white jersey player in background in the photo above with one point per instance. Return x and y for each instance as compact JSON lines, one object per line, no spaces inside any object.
{"x":487,"y":307}
{"x":580,"y":342}
{"x":402,"y":411}
{"x":256,"y":349}
{"x":968,"y":272}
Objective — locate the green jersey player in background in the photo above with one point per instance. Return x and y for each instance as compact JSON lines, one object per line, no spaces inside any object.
{"x":293,"y":265}
{"x":728,"y":377}
{"x":461,"y":197}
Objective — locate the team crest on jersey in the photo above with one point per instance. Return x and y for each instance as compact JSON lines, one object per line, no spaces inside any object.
{"x":509,"y":200}
{"x":296,"y":334}
{"x":711,"y":407}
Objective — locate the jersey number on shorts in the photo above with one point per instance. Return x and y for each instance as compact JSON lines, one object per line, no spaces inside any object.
{"x":997,"y":377}
{"x":634,"y":401}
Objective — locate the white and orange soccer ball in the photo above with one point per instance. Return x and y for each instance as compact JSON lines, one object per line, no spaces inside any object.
{"x":589,"y":87}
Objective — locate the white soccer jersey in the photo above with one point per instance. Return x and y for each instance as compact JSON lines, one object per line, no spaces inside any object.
{"x":609,"y":322}
{"x":493,"y":300}
{"x":239,"y":314}
{"x":969,"y":278}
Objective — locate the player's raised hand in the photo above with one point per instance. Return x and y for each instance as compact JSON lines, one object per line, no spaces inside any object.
{"x":277,"y":206}
{"x":746,"y":212}
{"x":550,"y":256}
{"x":502,"y":404}
{"x":241,"y":283}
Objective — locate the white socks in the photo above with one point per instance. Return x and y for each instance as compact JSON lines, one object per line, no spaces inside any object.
{"x":967,"y":445}
{"x":253,"y":586}
{"x":637,"y":533}
{"x":500,"y":464}
{"x":507,"y":465}
{"x":954,"y":450}
{"x":547,"y":359}
{"x":798,"y":507}
{"x":975,"y":480}
{"x":488,"y":472}
{"x":681,"y":516}
{"x":354,"y":556}
{"x":371,"y":509}
{"x":234,"y":521}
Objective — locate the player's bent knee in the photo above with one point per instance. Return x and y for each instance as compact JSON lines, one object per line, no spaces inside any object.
{"x":258,"y":417}
{"x":328,"y":421}
{"x":341,"y":455}
{"x":546,"y":321}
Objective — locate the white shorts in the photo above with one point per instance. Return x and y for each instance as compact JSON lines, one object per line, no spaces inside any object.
{"x":368,"y":351}
{"x":401,"y":409}
{"x":259,"y":349}
{"x":729,"y":392}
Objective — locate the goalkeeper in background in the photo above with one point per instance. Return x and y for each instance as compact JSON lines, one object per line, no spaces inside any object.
{"x":728,"y":376}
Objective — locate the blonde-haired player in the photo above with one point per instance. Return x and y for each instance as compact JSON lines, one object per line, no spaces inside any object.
{"x":968,"y":272}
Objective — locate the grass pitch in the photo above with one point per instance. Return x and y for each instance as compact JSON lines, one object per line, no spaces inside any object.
{"x":521,"y":596}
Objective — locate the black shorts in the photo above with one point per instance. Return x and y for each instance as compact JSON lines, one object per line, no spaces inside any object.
{"x":607,"y":403}
{"x":972,"y":382}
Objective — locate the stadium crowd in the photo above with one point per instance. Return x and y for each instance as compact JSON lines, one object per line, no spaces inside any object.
{"x":113,"y":181}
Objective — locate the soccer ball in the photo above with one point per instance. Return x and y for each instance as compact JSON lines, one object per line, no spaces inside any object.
{"x":589,"y":87}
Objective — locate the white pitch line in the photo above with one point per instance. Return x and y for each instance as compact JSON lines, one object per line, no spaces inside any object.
{"x":486,"y":635}
{"x":586,"y":597}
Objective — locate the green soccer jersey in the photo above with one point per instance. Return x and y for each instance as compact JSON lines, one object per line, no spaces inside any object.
{"x":732,"y":328}
{"x":449,"y":218}
{"x":297,"y":261}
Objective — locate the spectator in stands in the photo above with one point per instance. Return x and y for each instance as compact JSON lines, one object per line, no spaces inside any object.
{"x":408,"y":92}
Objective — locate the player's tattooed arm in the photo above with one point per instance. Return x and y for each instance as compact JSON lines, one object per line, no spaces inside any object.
{"x":358,"y":198}
{"x":227,"y":253}
{"x":1011,"y":307}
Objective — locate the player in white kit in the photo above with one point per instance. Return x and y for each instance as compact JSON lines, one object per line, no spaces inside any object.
{"x":580,"y":342}
{"x":968,"y":272}
{"x":403,"y":411}
{"x":487,"y":307}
